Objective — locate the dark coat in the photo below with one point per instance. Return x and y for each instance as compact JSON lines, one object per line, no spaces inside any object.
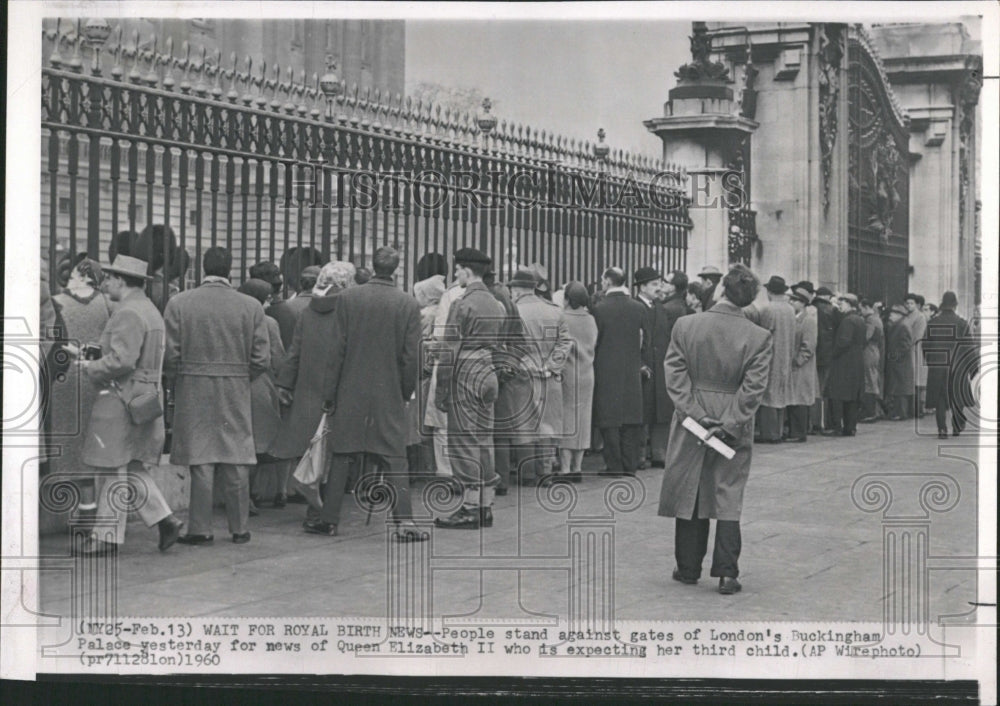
{"x":266,"y":408}
{"x":131,"y":364}
{"x":899,"y":360}
{"x":287,"y":314}
{"x":827,"y":318}
{"x":618,"y":361}
{"x":847,"y":367}
{"x":217,"y":343}
{"x":950,"y":354}
{"x":657,"y":407}
{"x":717,"y":366}
{"x":513,"y":380}
{"x":374,"y":362}
{"x":306,"y":372}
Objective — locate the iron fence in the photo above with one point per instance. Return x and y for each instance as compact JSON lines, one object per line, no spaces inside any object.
{"x":262,"y":164}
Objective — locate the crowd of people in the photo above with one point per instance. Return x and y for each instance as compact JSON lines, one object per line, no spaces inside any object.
{"x":485,"y":384}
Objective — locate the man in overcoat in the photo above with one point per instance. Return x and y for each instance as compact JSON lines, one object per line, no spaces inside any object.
{"x":305,"y":374}
{"x":917,"y":322}
{"x":546,"y":349}
{"x":827,"y":319}
{"x":899,"y":374}
{"x":618,"y":374}
{"x":130,"y":365}
{"x":217,"y":343}
{"x":802,"y":393}
{"x":950,"y":350}
{"x":374,"y":362}
{"x":655,"y":338}
{"x":287,"y":311}
{"x":874,"y":343}
{"x":467,"y":389}
{"x":716,"y":370}
{"x":778,"y":317}
{"x":675,"y":305}
{"x":847,"y":369}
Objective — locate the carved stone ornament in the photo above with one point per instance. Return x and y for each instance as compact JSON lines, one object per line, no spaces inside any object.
{"x":701,"y":68}
{"x":831,"y":54}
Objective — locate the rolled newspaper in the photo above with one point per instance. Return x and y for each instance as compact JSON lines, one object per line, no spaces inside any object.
{"x":713,"y":442}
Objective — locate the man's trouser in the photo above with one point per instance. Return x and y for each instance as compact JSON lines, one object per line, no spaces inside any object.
{"x":621,"y":447}
{"x":471,"y":428}
{"x":691,"y":543}
{"x":393,"y":471}
{"x":533,"y":461}
{"x":115,"y":498}
{"x":798,"y":421}
{"x":772,"y":423}
{"x":869,"y":405}
{"x":844,"y":415}
{"x":820,"y":416}
{"x":946,"y":401}
{"x":658,"y":435}
{"x":442,"y":462}
{"x":236,"y":492}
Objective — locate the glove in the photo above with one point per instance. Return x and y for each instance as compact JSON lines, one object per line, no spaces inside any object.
{"x":329,"y":407}
{"x":285,"y":397}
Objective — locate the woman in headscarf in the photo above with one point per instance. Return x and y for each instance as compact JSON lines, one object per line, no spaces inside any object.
{"x":577,"y":381}
{"x":83,"y":310}
{"x":420,"y":452}
{"x":266,"y":408}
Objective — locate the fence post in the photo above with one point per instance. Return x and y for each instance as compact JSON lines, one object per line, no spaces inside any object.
{"x":94,"y":171}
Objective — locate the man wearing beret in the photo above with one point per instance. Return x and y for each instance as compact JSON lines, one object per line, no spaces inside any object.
{"x":467,"y":388}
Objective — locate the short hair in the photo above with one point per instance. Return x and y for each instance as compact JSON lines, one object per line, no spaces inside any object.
{"x":489,"y":277}
{"x":679,"y":280}
{"x":478,"y":268}
{"x":696,"y":289}
{"x":914,"y":297}
{"x":385,"y":261}
{"x":266,"y":271}
{"x":307,"y":280}
{"x":920,"y":300}
{"x":741,"y":285}
{"x":615,"y":276}
{"x":576,"y":295}
{"x":217,"y":262}
{"x":131,"y":281}
{"x":865,"y":302}
{"x":296,"y":259}
{"x":431,"y":264}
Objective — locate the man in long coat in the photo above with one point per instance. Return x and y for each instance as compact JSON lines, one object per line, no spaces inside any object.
{"x":899,"y":364}
{"x":130,"y":365}
{"x":915,"y":318}
{"x":847,"y":369}
{"x":467,"y":389}
{"x":217,"y":343}
{"x":546,"y":349}
{"x":618,"y":374}
{"x":827,"y":319}
{"x":802,"y":393}
{"x":950,"y":350}
{"x":675,"y":306}
{"x":874,"y":343}
{"x":778,"y":317}
{"x":374,"y":363}
{"x":655,"y":339}
{"x":288,"y":311}
{"x":716,"y":369}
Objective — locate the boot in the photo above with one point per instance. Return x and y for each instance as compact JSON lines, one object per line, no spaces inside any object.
{"x":170,"y":530}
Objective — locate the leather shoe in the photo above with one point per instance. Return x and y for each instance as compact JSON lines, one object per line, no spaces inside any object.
{"x":486,"y":517}
{"x":280,"y":500}
{"x":463,"y":518}
{"x":575,"y":477}
{"x":658,"y":464}
{"x":729,"y":585}
{"x":296,"y":499}
{"x":242,"y":538}
{"x":319,"y":527}
{"x":196,"y":539}
{"x":678,"y":576}
{"x":797,"y":439}
{"x":170,"y":530}
{"x":942,"y":433}
{"x":955,"y":432}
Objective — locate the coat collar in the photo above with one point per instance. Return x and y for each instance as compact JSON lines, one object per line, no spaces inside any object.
{"x":475,"y":286}
{"x":726,"y":307}
{"x":216,"y":280}
{"x":384,"y":281}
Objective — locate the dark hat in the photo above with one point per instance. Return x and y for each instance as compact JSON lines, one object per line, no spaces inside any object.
{"x":524,"y":278}
{"x":799,"y":296}
{"x":823,"y":292}
{"x":806,"y":286}
{"x":851,"y":299}
{"x":949,"y":301}
{"x":257,"y":288}
{"x":266,"y":271}
{"x":776,"y":285}
{"x":644,"y":275}
{"x":709,"y":271}
{"x":471,"y":255}
{"x":129,"y":266}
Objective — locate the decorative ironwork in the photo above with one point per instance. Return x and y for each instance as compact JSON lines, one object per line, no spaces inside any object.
{"x":831,"y":53}
{"x":743,"y":237}
{"x":228,"y":152}
{"x":878,"y":179}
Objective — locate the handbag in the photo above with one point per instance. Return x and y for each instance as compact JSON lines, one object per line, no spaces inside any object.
{"x":310,"y":473}
{"x":143,"y":408}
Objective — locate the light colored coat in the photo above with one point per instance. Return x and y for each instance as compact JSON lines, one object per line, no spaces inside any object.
{"x":716,"y":366}
{"x":778,"y":317}
{"x":434,"y":417}
{"x":874,"y":343}
{"x":217,"y":342}
{"x":548,"y":346}
{"x":131,"y":364}
{"x":805,"y":383}
{"x":578,"y":380}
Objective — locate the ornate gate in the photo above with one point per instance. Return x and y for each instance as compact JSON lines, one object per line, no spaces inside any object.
{"x":879,"y":185}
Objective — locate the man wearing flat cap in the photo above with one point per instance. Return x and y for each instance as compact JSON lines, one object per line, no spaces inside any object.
{"x":119,"y":443}
{"x":656,"y":406}
{"x":467,"y":388}
{"x":710,"y":278}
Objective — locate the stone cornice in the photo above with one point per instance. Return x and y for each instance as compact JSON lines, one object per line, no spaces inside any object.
{"x":715,"y":121}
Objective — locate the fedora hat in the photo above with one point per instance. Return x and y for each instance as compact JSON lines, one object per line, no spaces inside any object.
{"x":644,"y":275}
{"x":128,"y":265}
{"x":709,"y":271}
{"x":524,"y":278}
{"x":776,"y":285}
{"x":799,"y":295}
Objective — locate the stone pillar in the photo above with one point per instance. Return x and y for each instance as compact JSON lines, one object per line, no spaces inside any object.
{"x":702,"y":131}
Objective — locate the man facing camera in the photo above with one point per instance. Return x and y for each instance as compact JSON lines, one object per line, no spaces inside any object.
{"x":716,"y":371}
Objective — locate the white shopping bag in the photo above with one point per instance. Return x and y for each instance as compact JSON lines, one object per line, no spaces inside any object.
{"x":311,"y":471}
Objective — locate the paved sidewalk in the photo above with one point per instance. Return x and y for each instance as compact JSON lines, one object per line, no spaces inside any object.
{"x":809,"y":552}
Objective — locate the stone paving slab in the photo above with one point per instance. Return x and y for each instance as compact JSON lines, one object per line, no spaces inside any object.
{"x":809,"y":553}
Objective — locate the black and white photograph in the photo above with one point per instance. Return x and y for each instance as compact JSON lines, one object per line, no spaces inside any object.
{"x":482,"y":339}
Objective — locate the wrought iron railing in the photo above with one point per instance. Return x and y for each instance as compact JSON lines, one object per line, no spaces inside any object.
{"x":742,"y":235}
{"x":262,"y":165}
